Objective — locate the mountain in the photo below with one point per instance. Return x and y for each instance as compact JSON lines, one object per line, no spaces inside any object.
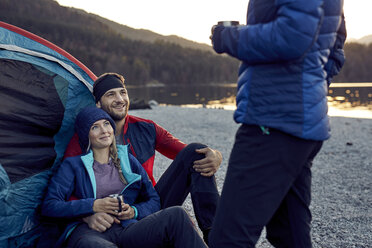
{"x":149,"y":36}
{"x":365,"y":40}
{"x":142,"y":56}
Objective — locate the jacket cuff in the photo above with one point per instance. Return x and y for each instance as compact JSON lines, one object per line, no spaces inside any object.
{"x":135,"y":212}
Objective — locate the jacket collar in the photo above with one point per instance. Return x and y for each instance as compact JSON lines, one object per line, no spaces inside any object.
{"x":128,"y":174}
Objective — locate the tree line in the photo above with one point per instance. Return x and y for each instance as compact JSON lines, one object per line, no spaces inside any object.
{"x":103,"y":50}
{"x":357,"y":67}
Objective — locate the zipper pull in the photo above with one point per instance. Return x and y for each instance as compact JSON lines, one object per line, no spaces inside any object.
{"x":265,"y":130}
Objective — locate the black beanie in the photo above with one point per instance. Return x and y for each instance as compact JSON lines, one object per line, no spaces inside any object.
{"x":105,"y":84}
{"x":84,"y":121}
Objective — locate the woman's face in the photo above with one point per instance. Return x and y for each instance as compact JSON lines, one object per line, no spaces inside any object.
{"x":101,"y":134}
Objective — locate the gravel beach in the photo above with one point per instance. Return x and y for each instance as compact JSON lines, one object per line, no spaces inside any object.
{"x":342,"y":171}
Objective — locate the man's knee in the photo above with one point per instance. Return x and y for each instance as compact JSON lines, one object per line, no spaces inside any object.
{"x":188,"y":154}
{"x":193,"y":146}
{"x":190,"y":150}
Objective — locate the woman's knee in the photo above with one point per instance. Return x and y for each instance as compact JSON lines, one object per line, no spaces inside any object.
{"x":176,"y":213}
{"x":93,"y":241}
{"x":175,"y":210}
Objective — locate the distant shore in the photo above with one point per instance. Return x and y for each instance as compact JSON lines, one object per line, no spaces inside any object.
{"x":342,"y":196}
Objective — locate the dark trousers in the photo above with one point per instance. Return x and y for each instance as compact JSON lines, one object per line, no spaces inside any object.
{"x":170,"y":227}
{"x":175,"y":184}
{"x":268,"y":183}
{"x":180,"y":179}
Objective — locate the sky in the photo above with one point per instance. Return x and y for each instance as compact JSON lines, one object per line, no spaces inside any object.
{"x":193,"y":19}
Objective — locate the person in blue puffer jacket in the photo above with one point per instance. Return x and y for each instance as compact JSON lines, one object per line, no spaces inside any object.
{"x":289,"y":52}
{"x":133,"y":218}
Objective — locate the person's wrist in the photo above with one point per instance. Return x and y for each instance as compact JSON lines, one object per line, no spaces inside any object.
{"x":220,"y":156}
{"x":95,"y":206}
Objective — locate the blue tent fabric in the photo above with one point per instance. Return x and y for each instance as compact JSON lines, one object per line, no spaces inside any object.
{"x":42,"y":88}
{"x":30,"y":119}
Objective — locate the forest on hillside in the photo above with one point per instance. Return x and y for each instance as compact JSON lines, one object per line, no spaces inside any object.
{"x":101,"y":49}
{"x":357,"y":67}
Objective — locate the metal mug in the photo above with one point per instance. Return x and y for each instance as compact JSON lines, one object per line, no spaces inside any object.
{"x":120,"y":200}
{"x":228,"y":23}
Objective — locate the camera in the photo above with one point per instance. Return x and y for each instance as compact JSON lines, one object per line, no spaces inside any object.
{"x":120,"y":200}
{"x":228,"y":23}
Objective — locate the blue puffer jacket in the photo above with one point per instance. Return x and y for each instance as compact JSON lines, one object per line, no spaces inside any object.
{"x":290,"y":50}
{"x":75,"y":177}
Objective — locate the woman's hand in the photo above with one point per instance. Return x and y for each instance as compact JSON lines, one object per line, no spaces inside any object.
{"x":100,"y":221}
{"x":106,"y":205}
{"x":126,"y":213}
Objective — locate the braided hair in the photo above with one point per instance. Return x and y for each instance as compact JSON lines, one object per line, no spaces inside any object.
{"x":116,"y":160}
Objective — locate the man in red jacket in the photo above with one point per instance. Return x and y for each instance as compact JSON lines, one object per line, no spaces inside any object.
{"x":193,"y":167}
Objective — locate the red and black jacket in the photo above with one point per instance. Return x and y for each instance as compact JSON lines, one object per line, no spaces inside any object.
{"x":145,"y":137}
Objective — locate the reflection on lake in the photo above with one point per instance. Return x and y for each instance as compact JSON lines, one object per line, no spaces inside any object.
{"x":345,"y":99}
{"x":334,"y":109}
{"x":347,"y":110}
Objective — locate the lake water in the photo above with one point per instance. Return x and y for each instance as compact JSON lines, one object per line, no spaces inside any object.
{"x":334,"y":109}
{"x":345,"y":99}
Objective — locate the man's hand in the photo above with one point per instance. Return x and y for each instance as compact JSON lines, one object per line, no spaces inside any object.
{"x":216,"y":39}
{"x":210,"y":164}
{"x":106,"y":205}
{"x":100,"y":221}
{"x":126,"y":213}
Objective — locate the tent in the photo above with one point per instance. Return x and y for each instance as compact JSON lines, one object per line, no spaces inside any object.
{"x":42,"y":88}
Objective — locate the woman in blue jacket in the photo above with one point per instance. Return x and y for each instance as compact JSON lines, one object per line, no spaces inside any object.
{"x":290,"y":50}
{"x":79,"y":193}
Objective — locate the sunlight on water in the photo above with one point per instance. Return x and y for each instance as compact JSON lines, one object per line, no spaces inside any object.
{"x":346,"y":110}
{"x":334,"y":109}
{"x":352,"y":100}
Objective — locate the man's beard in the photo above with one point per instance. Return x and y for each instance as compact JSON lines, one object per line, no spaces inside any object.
{"x":117,"y":116}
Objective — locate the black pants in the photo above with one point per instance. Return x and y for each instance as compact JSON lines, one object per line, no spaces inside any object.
{"x":170,"y":227}
{"x":268,"y":183}
{"x":180,"y":179}
{"x":175,"y":184}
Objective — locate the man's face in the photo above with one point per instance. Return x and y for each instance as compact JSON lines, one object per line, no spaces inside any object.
{"x":115,"y":102}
